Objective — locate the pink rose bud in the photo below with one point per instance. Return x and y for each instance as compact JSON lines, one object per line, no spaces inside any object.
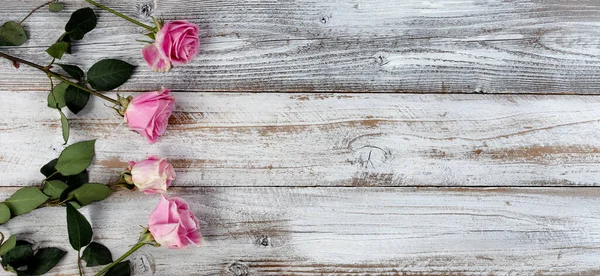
{"x":173,"y":224}
{"x":176,"y":43}
{"x":148,"y":113}
{"x":152,"y":175}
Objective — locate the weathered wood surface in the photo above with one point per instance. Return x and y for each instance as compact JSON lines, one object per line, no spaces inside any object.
{"x":352,"y":231}
{"x":233,"y":139}
{"x":465,"y":46}
{"x":248,"y":163}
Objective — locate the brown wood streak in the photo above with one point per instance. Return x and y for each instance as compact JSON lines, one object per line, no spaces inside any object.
{"x":244,"y":139}
{"x":379,"y":46}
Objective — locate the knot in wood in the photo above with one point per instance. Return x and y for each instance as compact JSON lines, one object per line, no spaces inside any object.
{"x":145,"y":263}
{"x":263,"y":240}
{"x":146,"y":9}
{"x":237,"y":269}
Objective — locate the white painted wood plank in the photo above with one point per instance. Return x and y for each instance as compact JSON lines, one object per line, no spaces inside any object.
{"x":228,"y":139}
{"x":448,"y":46}
{"x":354,"y":231}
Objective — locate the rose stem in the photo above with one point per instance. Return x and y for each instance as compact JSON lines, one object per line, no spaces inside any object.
{"x":57,"y":76}
{"x":121,"y":15}
{"x":79,"y":262}
{"x":32,"y":11}
{"x":133,"y":249}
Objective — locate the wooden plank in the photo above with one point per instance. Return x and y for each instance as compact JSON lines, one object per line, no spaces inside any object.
{"x":229,"y":139}
{"x":352,"y":231}
{"x":461,"y":46}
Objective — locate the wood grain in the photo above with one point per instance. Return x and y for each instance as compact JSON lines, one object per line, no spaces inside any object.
{"x":421,"y":163}
{"x":351,"y":231}
{"x":461,"y":46}
{"x":230,"y":139}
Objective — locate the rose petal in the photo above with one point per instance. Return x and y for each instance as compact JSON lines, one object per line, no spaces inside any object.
{"x":160,"y":214}
{"x":156,"y":59}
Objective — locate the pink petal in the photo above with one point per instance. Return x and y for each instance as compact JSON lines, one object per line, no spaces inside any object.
{"x":194,"y":238}
{"x":155,"y":59}
{"x":160,"y":214}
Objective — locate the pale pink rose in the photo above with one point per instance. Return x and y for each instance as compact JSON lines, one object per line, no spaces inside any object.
{"x":148,"y":113}
{"x":176,"y":43}
{"x":173,"y":224}
{"x":152,"y":175}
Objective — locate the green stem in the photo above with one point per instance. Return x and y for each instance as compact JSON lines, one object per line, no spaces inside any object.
{"x":57,"y":76}
{"x":133,"y":249}
{"x":16,"y":59}
{"x":121,"y":15}
{"x":53,"y":174}
{"x":79,"y":262}
{"x":37,"y":8}
{"x":65,"y":80}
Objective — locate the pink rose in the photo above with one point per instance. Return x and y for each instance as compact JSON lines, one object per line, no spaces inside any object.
{"x":148,"y":113}
{"x":152,"y":175}
{"x":173,"y":224}
{"x":176,"y":42}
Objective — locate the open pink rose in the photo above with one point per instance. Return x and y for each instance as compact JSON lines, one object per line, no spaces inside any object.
{"x":173,"y":224}
{"x":148,"y":113}
{"x":176,"y":43}
{"x":152,"y":175}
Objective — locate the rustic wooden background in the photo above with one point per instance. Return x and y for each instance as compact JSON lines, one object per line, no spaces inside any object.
{"x":354,"y":137}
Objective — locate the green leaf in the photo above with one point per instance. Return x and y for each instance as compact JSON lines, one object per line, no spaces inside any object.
{"x":12,"y":34}
{"x":54,"y":188}
{"x":91,"y":192}
{"x":44,"y":260}
{"x":66,"y":194}
{"x":73,"y":70}
{"x":56,"y":7}
{"x":74,"y":182}
{"x":96,"y":254}
{"x":76,"y":158}
{"x":78,"y":179}
{"x":58,"y":49}
{"x":48,"y":169}
{"x":19,"y":256}
{"x":66,"y":38}
{"x":65,"y":126}
{"x":23,"y":242}
{"x":80,"y":230}
{"x":25,"y":200}
{"x":76,"y":99}
{"x":4,"y":213}
{"x":9,"y":244}
{"x":75,"y":204}
{"x":57,"y":96}
{"x":109,"y":74}
{"x":82,"y":21}
{"x":120,"y":269}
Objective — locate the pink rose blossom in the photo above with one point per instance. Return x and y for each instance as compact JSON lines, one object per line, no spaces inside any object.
{"x":152,"y":175}
{"x":176,"y":43}
{"x":173,"y":224}
{"x":148,"y":113}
